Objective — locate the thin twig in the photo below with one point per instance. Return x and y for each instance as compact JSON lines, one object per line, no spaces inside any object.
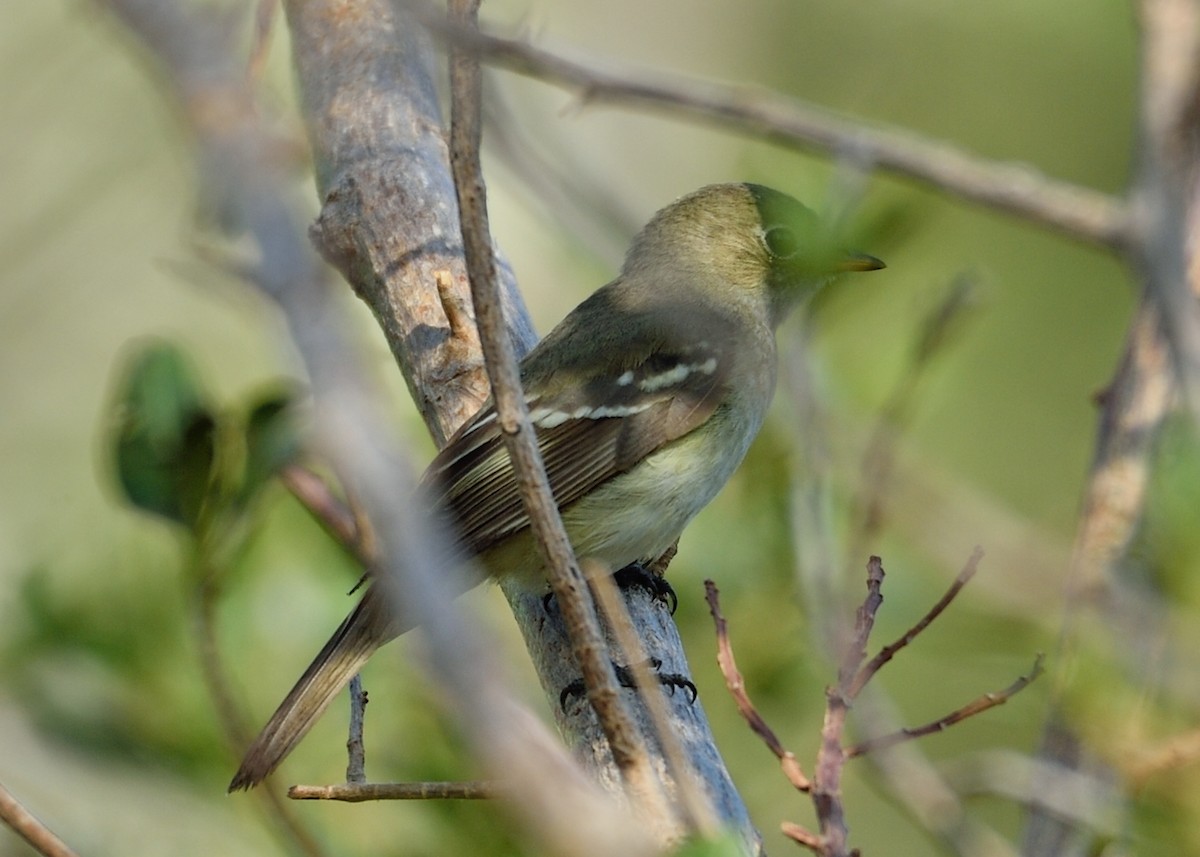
{"x":41,"y":838}
{"x":864,"y":623}
{"x":827,"y":780}
{"x":889,"y":651}
{"x":337,"y":518}
{"x":802,"y":835}
{"x":737,"y":689}
{"x":512,"y":414}
{"x":920,"y":790}
{"x":361,"y":792}
{"x":356,"y":763}
{"x":976,"y":706}
{"x":1078,"y":212}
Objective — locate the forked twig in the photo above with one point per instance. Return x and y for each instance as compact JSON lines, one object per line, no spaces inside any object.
{"x":853,"y":676}
{"x":889,"y":651}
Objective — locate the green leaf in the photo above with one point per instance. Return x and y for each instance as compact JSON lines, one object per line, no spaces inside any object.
{"x":164,"y":444}
{"x":272,"y":438}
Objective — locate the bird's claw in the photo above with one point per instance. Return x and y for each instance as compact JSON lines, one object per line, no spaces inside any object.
{"x":626,"y":678}
{"x":636,"y":574}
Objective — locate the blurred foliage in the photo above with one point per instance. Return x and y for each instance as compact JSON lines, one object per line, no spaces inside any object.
{"x":176,"y":458}
{"x":96,"y":604}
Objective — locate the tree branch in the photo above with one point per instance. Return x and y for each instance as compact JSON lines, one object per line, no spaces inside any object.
{"x":387,"y":223}
{"x":512,"y":413}
{"x":1078,"y":212}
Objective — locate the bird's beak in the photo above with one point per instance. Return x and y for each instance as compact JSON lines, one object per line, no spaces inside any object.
{"x":859,"y":262}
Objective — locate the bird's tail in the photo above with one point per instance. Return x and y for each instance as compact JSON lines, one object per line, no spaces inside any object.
{"x":366,"y":629}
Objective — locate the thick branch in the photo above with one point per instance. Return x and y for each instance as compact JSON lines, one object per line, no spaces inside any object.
{"x":389,"y":223}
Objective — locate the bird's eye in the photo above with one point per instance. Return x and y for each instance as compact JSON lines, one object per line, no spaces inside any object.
{"x":781,"y":241}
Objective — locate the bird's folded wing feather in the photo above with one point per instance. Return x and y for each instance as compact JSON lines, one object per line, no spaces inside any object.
{"x":587,"y":432}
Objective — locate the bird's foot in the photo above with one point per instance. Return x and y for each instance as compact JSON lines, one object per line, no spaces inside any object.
{"x":636,"y":574}
{"x":626,"y":678}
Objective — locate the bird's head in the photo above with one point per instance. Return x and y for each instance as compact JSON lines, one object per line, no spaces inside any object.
{"x":745,"y":243}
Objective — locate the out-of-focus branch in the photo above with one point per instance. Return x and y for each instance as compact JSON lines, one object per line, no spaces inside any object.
{"x":1176,"y":752}
{"x":560,"y":806}
{"x":1164,"y":189}
{"x":1160,"y":361}
{"x":41,"y":838}
{"x":1078,"y":212}
{"x":869,"y":505}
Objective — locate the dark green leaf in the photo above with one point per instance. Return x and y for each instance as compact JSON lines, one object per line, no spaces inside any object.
{"x":164,"y":434}
{"x":272,"y":439}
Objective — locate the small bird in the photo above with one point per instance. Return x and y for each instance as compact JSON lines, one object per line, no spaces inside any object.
{"x":644,"y":399}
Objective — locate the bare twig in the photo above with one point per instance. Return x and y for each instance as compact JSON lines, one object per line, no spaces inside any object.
{"x":737,"y":689}
{"x":356,"y":764}
{"x":864,"y":623}
{"x":512,"y":413}
{"x":338,"y":519}
{"x":919,"y":789}
{"x":1077,"y":212}
{"x":976,"y":706}
{"x":889,"y":651}
{"x":41,"y":838}
{"x":802,"y":835}
{"x":827,"y":780}
{"x":361,"y":792}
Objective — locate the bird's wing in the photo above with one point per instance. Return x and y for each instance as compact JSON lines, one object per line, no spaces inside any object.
{"x":588,"y":433}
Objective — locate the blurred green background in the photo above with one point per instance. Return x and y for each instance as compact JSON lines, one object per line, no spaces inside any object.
{"x":106,"y":730}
